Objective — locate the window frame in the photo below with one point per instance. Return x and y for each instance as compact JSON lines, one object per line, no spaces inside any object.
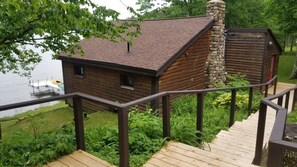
{"x":127,"y":81}
{"x":79,"y":71}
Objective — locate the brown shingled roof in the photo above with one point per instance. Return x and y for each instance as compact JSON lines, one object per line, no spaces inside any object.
{"x":161,"y":42}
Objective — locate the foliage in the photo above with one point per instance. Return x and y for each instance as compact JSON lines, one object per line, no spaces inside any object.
{"x":245,"y":14}
{"x":54,"y":25}
{"x":285,"y":67}
{"x":145,"y":134}
{"x":46,"y":147}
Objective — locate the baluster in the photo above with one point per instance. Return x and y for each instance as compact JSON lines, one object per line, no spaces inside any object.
{"x":199,"y":115}
{"x":78,"y":122}
{"x":232,"y":107}
{"x":166,"y":116}
{"x":251,"y":94}
{"x":123,"y":136}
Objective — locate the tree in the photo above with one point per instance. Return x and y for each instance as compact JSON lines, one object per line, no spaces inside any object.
{"x":56,"y":25}
{"x":245,"y":14}
{"x":171,"y":8}
{"x":285,"y":12}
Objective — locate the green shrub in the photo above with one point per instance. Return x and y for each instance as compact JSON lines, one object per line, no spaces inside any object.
{"x":45,"y":148}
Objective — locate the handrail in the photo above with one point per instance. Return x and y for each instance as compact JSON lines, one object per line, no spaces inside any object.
{"x":123,"y":110}
{"x":276,"y":142}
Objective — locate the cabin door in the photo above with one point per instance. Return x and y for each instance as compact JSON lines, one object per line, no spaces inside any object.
{"x":272,"y":67}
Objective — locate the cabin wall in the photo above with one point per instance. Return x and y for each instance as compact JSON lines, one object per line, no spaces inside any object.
{"x":187,"y":71}
{"x":103,"y":83}
{"x":244,"y":54}
{"x":271,"y":50}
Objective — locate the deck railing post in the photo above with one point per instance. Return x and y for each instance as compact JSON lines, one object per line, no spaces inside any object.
{"x":260,"y":133}
{"x":251,"y":93}
{"x":275,"y":85}
{"x":266,"y":90}
{"x":199,"y":115}
{"x":123,"y":137}
{"x":79,"y":124}
{"x":232,"y":107}
{"x":275,"y":155}
{"x":287,"y":100}
{"x":294,"y":99}
{"x":280,"y":101}
{"x":166,"y":116}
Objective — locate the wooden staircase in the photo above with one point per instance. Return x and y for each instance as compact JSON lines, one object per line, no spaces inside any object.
{"x":235,"y":147}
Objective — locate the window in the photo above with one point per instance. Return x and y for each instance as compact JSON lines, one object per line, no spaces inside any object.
{"x":127,"y":82}
{"x":78,"y":70}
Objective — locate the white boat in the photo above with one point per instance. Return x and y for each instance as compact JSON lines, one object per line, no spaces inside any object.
{"x":53,"y":86}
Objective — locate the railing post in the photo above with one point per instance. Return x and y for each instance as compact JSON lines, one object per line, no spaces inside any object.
{"x":79,"y":124}
{"x":123,"y":137}
{"x":199,"y":115}
{"x":294,"y":99}
{"x":251,"y":92}
{"x":275,"y":155}
{"x":280,"y":101}
{"x":260,"y":133}
{"x":232,"y":107}
{"x":287,"y":100}
{"x":275,"y":85}
{"x":266,"y":90}
{"x":166,"y":116}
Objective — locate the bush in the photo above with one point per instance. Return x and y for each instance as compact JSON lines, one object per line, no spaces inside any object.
{"x":45,"y":148}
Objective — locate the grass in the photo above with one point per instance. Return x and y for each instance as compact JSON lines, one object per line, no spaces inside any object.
{"x":50,"y":118}
{"x":285,"y":67}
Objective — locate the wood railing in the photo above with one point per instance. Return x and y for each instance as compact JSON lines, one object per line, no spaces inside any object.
{"x":123,"y":110}
{"x":276,"y":144}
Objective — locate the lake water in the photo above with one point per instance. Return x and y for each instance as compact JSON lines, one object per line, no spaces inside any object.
{"x":14,"y":88}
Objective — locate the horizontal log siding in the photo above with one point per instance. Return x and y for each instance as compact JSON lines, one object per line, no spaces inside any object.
{"x":244,"y":54}
{"x":104,"y":83}
{"x":187,"y":71}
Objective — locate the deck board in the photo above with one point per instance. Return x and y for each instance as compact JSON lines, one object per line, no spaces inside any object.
{"x":79,"y":159}
{"x":234,"y":147}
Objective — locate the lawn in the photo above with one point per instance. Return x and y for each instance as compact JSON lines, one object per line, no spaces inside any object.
{"x":286,"y":63}
{"x":49,"y":118}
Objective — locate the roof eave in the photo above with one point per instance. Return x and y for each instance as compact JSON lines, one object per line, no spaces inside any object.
{"x":183,"y":49}
{"x":111,"y":66}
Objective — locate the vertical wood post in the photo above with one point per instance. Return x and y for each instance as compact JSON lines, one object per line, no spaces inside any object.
{"x":123,"y":137}
{"x":287,"y":100}
{"x":260,"y":134}
{"x":280,"y":101}
{"x":199,"y":115}
{"x":294,"y":99}
{"x":275,"y":85}
{"x":266,"y":90}
{"x":166,"y":116}
{"x":78,"y":122}
{"x":251,"y":94}
{"x":275,"y":155}
{"x":232,"y":107}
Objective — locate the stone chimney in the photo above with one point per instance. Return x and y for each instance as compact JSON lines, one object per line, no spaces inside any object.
{"x":215,"y":65}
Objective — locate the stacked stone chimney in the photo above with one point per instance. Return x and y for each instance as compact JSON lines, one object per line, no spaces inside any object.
{"x":215,"y":65}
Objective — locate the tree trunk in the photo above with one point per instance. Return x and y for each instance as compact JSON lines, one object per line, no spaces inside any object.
{"x":292,"y":44}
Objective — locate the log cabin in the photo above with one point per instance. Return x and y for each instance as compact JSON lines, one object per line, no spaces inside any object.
{"x":169,"y":55}
{"x":253,"y":52}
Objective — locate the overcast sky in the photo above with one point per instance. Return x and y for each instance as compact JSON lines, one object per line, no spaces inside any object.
{"x":118,"y":5}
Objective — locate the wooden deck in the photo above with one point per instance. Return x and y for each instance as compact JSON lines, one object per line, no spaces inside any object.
{"x":235,"y":147}
{"x":78,"y":159}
